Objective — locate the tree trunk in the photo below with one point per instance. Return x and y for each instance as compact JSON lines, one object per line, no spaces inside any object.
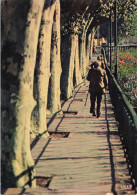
{"x":21,"y":23}
{"x":43,"y":70}
{"x":88,"y":48}
{"x":83,"y":46}
{"x":55,"y":64}
{"x":93,"y":32}
{"x":77,"y":74}
{"x":82,"y":54}
{"x":68,"y":56}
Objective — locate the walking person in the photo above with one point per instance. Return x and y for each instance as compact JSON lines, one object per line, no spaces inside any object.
{"x":98,"y":83}
{"x":94,"y":48}
{"x":101,"y":61}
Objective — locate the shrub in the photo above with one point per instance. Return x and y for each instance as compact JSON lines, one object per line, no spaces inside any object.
{"x":127,"y":74}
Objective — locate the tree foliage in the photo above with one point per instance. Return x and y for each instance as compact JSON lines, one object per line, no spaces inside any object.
{"x":126,"y":16}
{"x":133,"y":29}
{"x":75,"y":16}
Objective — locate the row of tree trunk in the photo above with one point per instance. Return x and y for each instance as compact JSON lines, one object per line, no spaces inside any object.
{"x":37,"y":69}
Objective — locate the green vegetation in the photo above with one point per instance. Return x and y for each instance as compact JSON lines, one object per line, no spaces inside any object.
{"x":126,"y":18}
{"x":127,"y":74}
{"x":133,"y":28}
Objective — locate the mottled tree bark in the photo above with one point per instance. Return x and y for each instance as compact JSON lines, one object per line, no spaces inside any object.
{"x":77,"y":74}
{"x":21,"y":22}
{"x":55,"y":64}
{"x":83,"y":46}
{"x":43,"y":69}
{"x":69,"y":61}
{"x":82,"y":53}
{"x":91,"y":41}
{"x":88,"y":47}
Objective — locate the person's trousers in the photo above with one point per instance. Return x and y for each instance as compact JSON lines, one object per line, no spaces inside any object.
{"x":93,"y":98}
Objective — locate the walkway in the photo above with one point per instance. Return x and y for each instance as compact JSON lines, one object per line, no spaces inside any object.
{"x":84,"y":155}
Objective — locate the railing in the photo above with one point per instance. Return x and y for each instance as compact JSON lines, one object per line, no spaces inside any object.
{"x":125,"y":115}
{"x":127,"y":118}
{"x":119,"y":47}
{"x":126,"y":47}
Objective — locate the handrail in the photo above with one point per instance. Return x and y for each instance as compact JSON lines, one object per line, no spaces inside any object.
{"x":127,"y":119}
{"x":121,"y":47}
{"x":126,"y":45}
{"x":128,"y":105}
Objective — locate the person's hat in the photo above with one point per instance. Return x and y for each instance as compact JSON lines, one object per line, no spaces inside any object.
{"x":94,"y":65}
{"x":98,"y":58}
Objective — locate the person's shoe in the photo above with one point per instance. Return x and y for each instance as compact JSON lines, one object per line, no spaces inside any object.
{"x":93,"y":113}
{"x":98,"y":115}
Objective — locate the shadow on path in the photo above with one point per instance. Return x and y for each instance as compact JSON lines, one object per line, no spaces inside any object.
{"x":110,"y":151}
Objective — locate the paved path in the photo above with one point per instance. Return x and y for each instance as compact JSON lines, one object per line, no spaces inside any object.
{"x":84,"y":155}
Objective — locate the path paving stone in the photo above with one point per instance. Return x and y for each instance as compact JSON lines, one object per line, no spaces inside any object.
{"x":91,"y":160}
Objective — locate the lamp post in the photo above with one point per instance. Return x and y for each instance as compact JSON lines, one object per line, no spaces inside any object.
{"x":98,"y":37}
{"x":110,"y":36}
{"x":115,"y":40}
{"x":115,"y":37}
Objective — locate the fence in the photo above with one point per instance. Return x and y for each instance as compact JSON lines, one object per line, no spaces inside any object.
{"x":119,"y":47}
{"x":127,"y":118}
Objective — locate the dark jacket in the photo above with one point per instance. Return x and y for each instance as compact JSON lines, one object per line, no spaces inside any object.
{"x":98,"y":80}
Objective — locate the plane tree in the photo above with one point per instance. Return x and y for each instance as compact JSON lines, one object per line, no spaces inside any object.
{"x":32,"y":64}
{"x":20,"y":30}
{"x":76,"y":18}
